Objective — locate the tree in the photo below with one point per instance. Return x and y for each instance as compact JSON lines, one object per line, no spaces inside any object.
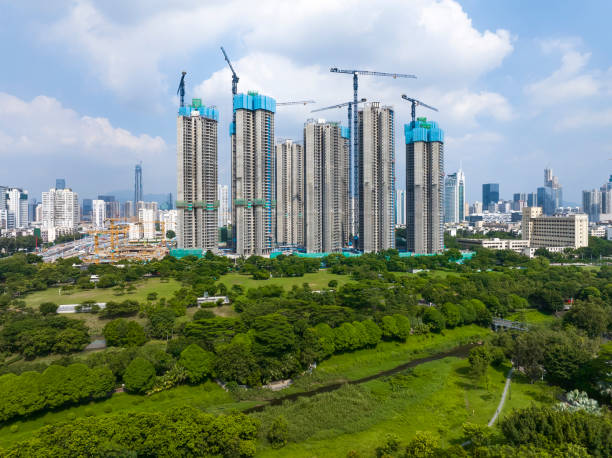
{"x":590,"y":317}
{"x":434,"y":318}
{"x":423,"y":445}
{"x":452,"y":313}
{"x":161,"y":322}
{"x":123,"y":333}
{"x":139,"y":375}
{"x":478,"y":435}
{"x":198,"y":362}
{"x":70,"y":340}
{"x":278,"y":432}
{"x":170,"y":234}
{"x":479,"y":359}
{"x":273,"y":335}
{"x":48,"y":308}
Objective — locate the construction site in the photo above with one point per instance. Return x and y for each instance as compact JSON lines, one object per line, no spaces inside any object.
{"x":127,"y":240}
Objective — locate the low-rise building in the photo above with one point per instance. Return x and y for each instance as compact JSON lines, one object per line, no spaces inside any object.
{"x":568,"y":231}
{"x":495,"y":244}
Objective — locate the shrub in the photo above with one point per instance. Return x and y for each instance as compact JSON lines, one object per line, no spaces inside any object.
{"x":89,"y":412}
{"x":14,"y":428}
{"x":139,"y":376}
{"x":278,"y":432}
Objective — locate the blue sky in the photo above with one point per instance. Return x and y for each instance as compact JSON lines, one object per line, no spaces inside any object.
{"x":88,"y":88}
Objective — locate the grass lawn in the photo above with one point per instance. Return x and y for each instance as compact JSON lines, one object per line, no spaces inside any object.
{"x":201,"y":396}
{"x":143,"y":287}
{"x":318,"y":280}
{"x":438,"y":396}
{"x":533,"y":316}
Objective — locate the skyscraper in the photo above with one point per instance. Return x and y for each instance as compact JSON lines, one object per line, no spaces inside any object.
{"x":532,"y":199}
{"x":550,"y":197}
{"x":400,"y":207}
{"x":86,"y":209}
{"x":289,"y":193}
{"x":197,"y":204}
{"x":98,"y":213}
{"x":591,"y":204}
{"x":424,"y":182}
{"x":376,"y":158}
{"x":137,"y":184}
{"x":326,"y":187}
{"x":461,"y":191}
{"x":224,"y":212}
{"x":253,"y":174}
{"x":60,"y":208}
{"x":60,"y":183}
{"x":454,"y":197}
{"x":17,"y":208}
{"x":490,"y":194}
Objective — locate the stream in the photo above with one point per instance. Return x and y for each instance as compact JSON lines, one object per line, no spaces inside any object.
{"x":461,"y":351}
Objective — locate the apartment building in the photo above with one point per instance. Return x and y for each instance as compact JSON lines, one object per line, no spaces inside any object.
{"x":543,"y":231}
{"x":289,"y":193}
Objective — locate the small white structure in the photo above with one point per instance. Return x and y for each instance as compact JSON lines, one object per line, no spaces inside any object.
{"x":212,"y":299}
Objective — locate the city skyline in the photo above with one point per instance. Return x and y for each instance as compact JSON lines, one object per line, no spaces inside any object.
{"x":484,"y":105}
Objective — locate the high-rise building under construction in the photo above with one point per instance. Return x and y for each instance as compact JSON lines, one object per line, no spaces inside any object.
{"x":326,"y":191}
{"x":253,"y":174}
{"x":424,"y":186}
{"x":376,"y":178}
{"x":289,"y":193}
{"x":196,"y":128}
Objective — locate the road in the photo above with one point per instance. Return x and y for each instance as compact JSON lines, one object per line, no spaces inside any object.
{"x":67,"y":250}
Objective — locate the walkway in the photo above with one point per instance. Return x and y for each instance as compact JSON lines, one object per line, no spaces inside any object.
{"x":503,"y":398}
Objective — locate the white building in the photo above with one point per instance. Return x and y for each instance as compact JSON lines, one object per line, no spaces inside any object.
{"x":289,"y":193}
{"x":224,"y":210}
{"x":60,"y":208}
{"x":98,"y":211}
{"x":17,"y":208}
{"x":168,"y":219}
{"x":554,"y":231}
{"x":517,"y":246}
{"x":147,"y":218}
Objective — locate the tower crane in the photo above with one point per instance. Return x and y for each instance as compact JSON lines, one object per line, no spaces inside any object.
{"x":181,"y":89}
{"x":416,"y":102}
{"x":353,"y":152}
{"x":298,"y":102}
{"x":235,"y":78}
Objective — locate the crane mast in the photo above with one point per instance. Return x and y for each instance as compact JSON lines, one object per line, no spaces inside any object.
{"x":355,"y":143}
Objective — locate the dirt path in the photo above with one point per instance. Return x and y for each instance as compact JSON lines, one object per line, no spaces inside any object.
{"x":502,"y":401}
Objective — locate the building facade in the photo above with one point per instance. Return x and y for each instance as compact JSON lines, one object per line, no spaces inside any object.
{"x":326,"y":224}
{"x":454,"y":197}
{"x":224,"y":209}
{"x":197,"y":204}
{"x":490,"y":194}
{"x":17,"y":209}
{"x":400,"y":207}
{"x":60,"y":208}
{"x":544,"y":231}
{"x":137,"y":186}
{"x":98,"y":213}
{"x":591,"y":204}
{"x":424,"y":186}
{"x":289,"y":194}
{"x":376,"y":155}
{"x":253,"y":175}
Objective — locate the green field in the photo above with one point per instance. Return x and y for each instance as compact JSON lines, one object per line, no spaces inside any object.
{"x":318,"y":280}
{"x":438,"y":396}
{"x":533,"y":316}
{"x":201,"y":396}
{"x":143,"y":287}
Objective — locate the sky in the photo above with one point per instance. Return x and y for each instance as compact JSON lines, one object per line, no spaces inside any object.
{"x":88,"y":88}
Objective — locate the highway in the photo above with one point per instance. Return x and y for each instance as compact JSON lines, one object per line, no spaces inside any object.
{"x":68,"y":249}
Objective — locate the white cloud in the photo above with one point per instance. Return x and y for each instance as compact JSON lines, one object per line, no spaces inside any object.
{"x":43,"y":127}
{"x":417,"y":36}
{"x":572,"y":80}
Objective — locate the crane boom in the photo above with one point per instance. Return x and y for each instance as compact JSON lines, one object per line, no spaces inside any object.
{"x":355,"y":143}
{"x":416,"y":102}
{"x":370,"y":73}
{"x":340,"y":105}
{"x":235,"y":78}
{"x":298,"y":102}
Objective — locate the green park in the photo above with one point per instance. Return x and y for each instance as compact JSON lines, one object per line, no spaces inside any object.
{"x":311,"y":357}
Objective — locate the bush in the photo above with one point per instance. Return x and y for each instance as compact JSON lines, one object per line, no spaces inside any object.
{"x":108,"y":409}
{"x":48,"y":308}
{"x":139,"y":376}
{"x":278,"y":432}
{"x":89,"y":412}
{"x":14,"y":428}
